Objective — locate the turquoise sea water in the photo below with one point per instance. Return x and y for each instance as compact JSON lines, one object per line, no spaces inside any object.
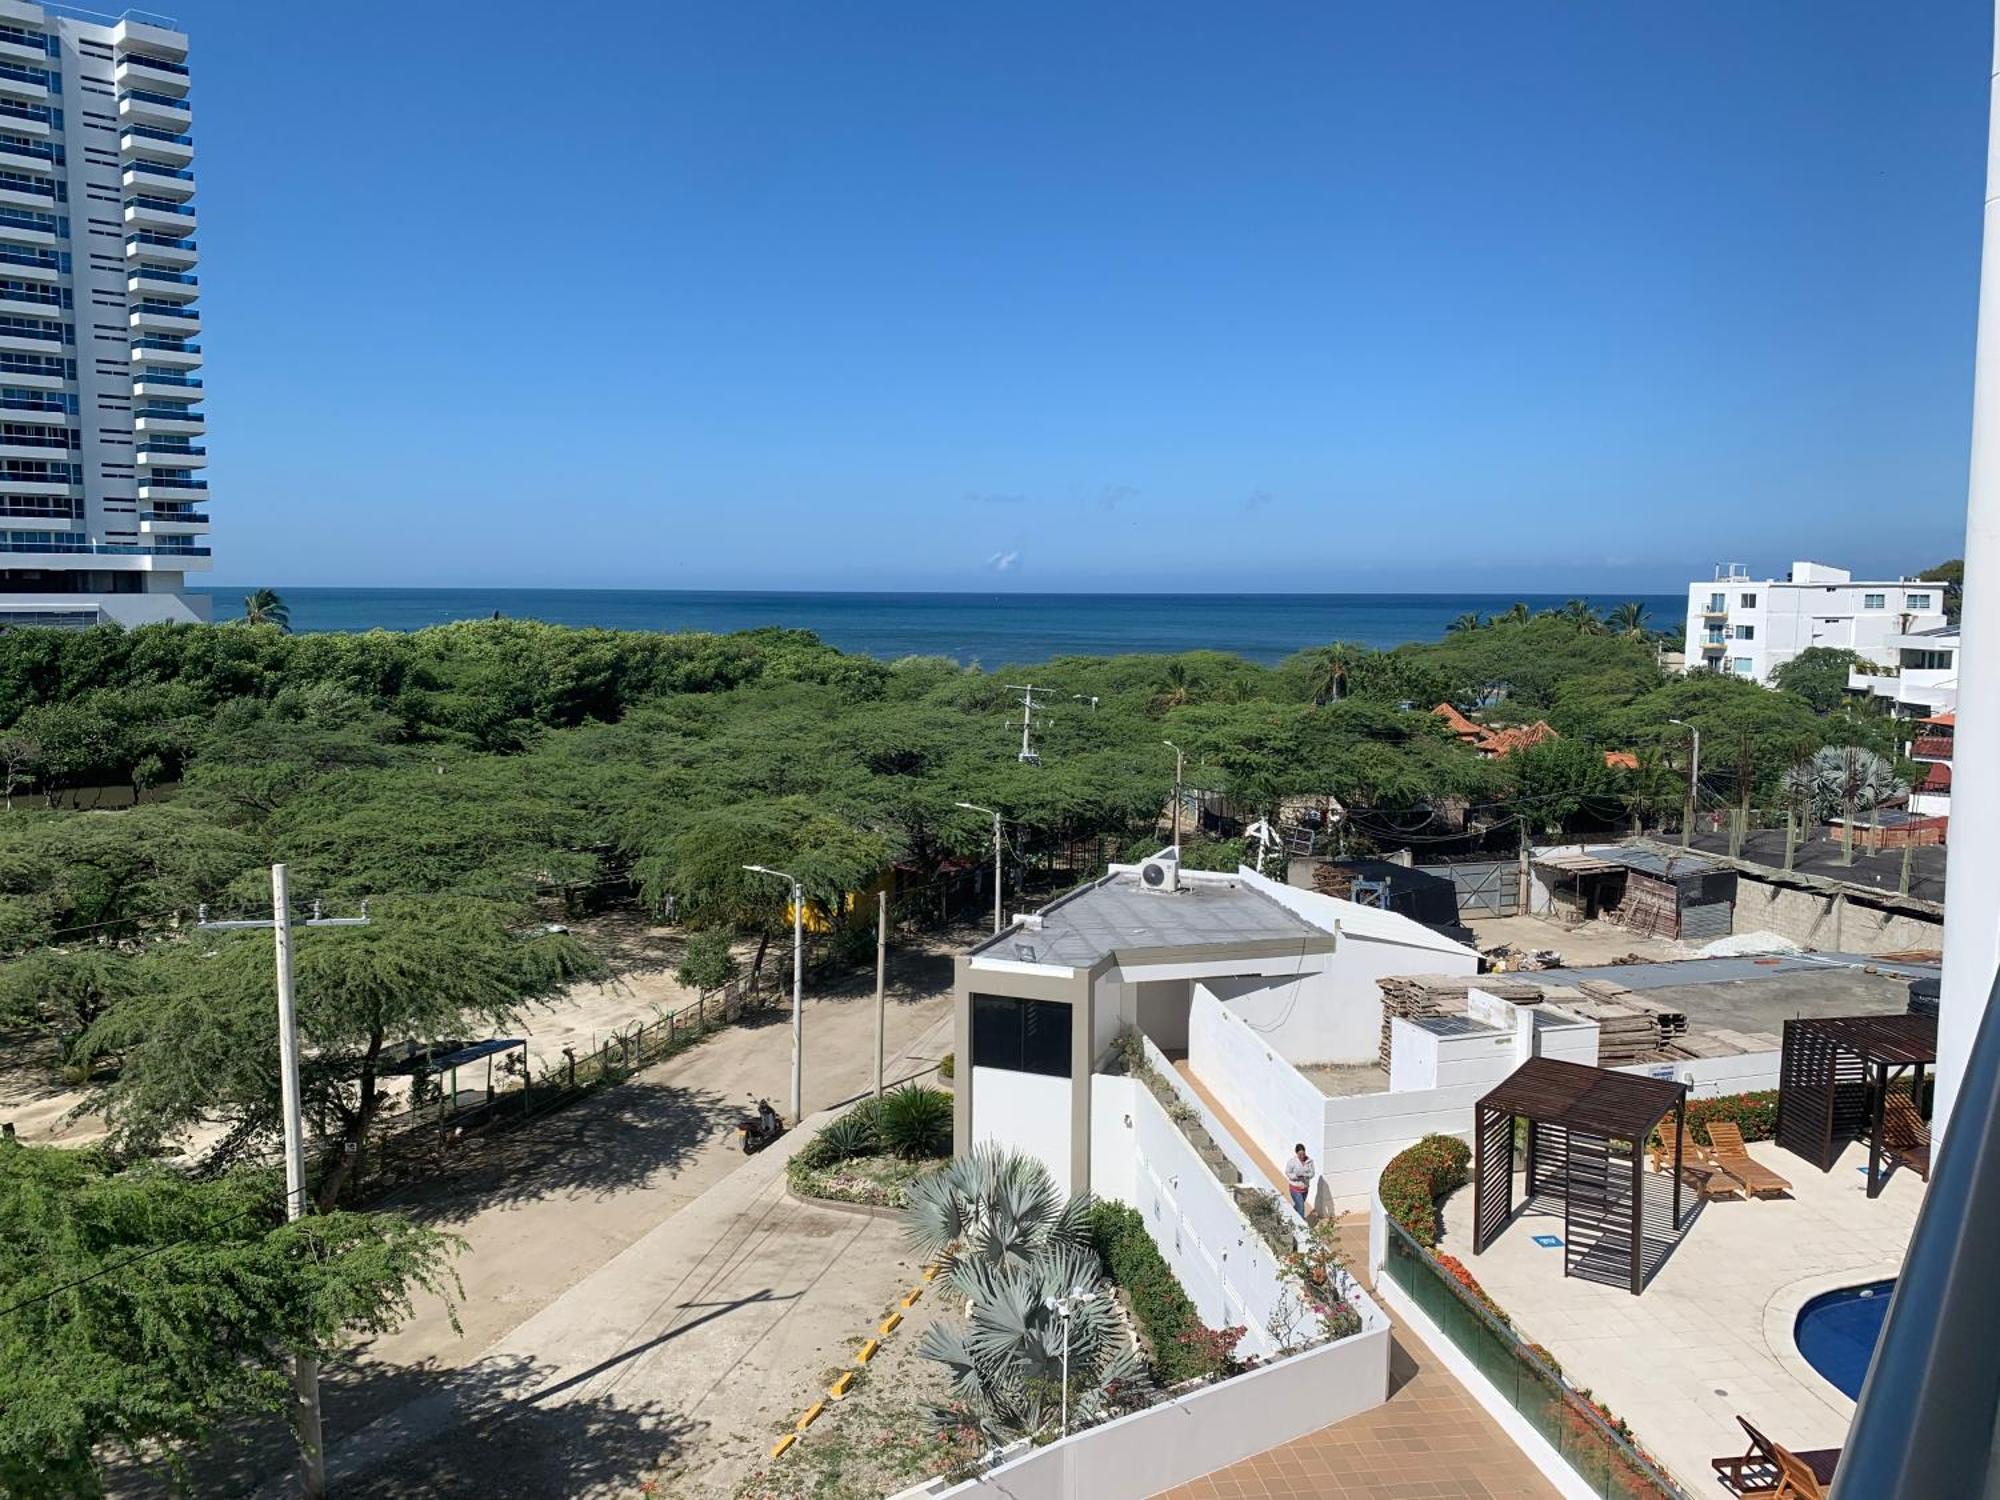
{"x":991,"y":629}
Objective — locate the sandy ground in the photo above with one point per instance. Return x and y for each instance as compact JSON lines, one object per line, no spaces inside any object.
{"x":1598,"y":942}
{"x":549,"y":1213}
{"x":640,"y":987}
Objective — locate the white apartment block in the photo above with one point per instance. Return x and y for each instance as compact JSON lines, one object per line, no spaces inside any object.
{"x":1749,"y":627}
{"x":102,"y":503}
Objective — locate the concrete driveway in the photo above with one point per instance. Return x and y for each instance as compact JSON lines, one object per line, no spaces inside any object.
{"x":681,"y":1353}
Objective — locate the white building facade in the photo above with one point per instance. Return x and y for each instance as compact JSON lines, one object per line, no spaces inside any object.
{"x":103,"y":507}
{"x":1919,"y":681}
{"x":1749,"y":627}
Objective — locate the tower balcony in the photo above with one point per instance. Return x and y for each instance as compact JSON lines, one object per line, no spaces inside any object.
{"x":158,"y":180}
{"x":160,"y":522}
{"x":161,"y":285}
{"x":166,"y":147}
{"x":185,"y":322}
{"x":188,"y":491}
{"x":169,"y":352}
{"x":155,"y":389}
{"x":159,"y":111}
{"x":178,"y":424}
{"x":173,"y":220}
{"x":169,"y":249}
{"x":170,"y":458}
{"x":135,"y":36}
{"x":156,"y":75}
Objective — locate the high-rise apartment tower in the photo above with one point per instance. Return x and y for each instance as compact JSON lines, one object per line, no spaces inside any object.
{"x":102,"y":501}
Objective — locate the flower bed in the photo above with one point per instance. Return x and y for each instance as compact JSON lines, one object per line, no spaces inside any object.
{"x":1417,"y":1177}
{"x":1756,"y":1115}
{"x":871,"y":1154}
{"x":873,"y":1181}
{"x":1181,"y":1347}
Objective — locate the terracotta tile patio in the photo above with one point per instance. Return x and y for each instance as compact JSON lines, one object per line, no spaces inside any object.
{"x":1431,"y":1441}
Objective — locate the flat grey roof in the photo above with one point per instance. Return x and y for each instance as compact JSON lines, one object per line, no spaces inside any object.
{"x":1746,"y":999}
{"x":1118,"y":914}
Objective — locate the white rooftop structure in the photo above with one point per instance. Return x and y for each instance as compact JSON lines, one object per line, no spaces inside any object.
{"x":1749,"y":627}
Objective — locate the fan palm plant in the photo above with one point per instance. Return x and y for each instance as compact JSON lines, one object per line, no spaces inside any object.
{"x":1578,"y":612}
{"x":1177,"y":686}
{"x":1516,"y":613}
{"x":1470,"y":620}
{"x":1018,"y":1251}
{"x":266,"y":607}
{"x":1627,"y":619}
{"x":1842,"y":780}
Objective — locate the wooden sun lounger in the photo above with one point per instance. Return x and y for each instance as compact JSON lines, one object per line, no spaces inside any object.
{"x":1769,"y":1469}
{"x":1905,"y":1136}
{"x":1729,"y":1153}
{"x":1701,"y":1174}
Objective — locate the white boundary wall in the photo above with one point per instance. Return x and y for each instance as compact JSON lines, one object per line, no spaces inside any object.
{"x":1196,"y":1433}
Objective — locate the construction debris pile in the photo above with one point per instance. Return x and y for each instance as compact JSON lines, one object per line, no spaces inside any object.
{"x":1414,"y":995}
{"x":1630,"y":1028}
{"x":1511,"y":958}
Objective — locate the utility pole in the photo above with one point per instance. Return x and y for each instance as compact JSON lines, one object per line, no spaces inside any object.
{"x":999,"y":843}
{"x":1694,"y":781}
{"x":881,"y":980}
{"x":1180,"y":762}
{"x":1027,"y":692}
{"x":798,"y":984}
{"x":305,"y":1367}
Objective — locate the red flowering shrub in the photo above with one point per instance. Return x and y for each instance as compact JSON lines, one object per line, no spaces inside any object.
{"x":1417,"y":1177}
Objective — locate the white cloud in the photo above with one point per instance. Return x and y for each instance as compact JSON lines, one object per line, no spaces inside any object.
{"x":1003,"y":562}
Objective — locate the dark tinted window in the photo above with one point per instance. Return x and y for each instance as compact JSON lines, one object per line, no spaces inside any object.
{"x":1026,"y":1036}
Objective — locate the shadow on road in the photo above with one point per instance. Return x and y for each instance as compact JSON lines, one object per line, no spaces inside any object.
{"x":613,"y":1141}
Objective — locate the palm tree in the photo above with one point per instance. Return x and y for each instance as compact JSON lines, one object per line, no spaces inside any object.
{"x":1517,"y":613}
{"x":266,"y":607}
{"x":1012,"y":1246}
{"x":1578,"y":612}
{"x":1470,"y":620}
{"x":1628,"y":619}
{"x":1843,"y":780}
{"x":1177,"y":686}
{"x":1329,"y":666}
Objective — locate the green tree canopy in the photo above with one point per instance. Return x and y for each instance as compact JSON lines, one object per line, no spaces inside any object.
{"x":144,"y":1309}
{"x":201,"y":1042}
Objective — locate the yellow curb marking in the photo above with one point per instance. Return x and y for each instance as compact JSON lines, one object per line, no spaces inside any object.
{"x":910,"y":1297}
{"x":867,"y":1351}
{"x":838,"y":1390}
{"x":811,"y":1414}
{"x":930,"y":1273}
{"x":889,"y":1323}
{"x":783,"y":1443}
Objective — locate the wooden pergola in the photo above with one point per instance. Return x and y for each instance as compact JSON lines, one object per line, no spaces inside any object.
{"x":1576,"y":1116}
{"x":1834,"y":1079}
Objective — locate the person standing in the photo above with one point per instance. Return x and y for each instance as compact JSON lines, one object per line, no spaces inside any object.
{"x":1299,"y":1174}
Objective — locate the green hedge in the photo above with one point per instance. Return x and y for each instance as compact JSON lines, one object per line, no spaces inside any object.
{"x":1755,"y":1114}
{"x":1165,"y":1315}
{"x":1417,"y":1177}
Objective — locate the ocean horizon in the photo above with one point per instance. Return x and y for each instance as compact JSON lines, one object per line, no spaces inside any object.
{"x":991,"y":629}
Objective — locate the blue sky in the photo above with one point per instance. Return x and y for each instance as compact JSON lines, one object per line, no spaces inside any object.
{"x":1037,"y":296}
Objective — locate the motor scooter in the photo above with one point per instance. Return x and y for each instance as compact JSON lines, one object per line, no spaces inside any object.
{"x":760,"y":1129}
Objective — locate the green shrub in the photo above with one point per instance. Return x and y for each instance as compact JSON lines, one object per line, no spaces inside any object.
{"x":1168,"y":1320}
{"x":1417,"y":1177}
{"x":1756,"y":1115}
{"x":709,"y":963}
{"x":947,"y":1066}
{"x":916,"y":1122}
{"x":852,"y":1134}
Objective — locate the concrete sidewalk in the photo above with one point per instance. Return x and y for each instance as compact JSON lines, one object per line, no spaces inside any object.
{"x":684,"y":1348}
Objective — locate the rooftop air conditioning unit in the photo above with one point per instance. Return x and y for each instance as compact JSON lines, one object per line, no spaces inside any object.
{"x":1162,"y":872}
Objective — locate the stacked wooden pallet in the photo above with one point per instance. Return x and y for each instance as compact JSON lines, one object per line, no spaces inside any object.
{"x":1651,"y":909}
{"x":1625,"y":1034}
{"x":1414,"y":995}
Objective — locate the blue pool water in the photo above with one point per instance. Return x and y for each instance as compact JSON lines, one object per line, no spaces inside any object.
{"x":1836,"y":1332}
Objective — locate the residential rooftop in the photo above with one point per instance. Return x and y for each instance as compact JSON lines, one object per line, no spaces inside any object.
{"x":1116,"y":914}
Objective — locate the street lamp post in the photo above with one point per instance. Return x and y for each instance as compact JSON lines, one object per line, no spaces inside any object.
{"x":1694,"y":778}
{"x":1062,"y":1307}
{"x":975,"y":807}
{"x":1180,"y":762}
{"x":798,"y":985}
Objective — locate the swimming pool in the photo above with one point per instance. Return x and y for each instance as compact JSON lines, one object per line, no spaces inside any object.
{"x":1836,"y":1332}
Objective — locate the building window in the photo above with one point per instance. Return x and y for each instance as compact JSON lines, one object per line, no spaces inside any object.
{"x":1920,"y":601}
{"x":1717,"y":604}
{"x":1743,"y":666}
{"x":1874,"y":601}
{"x":1746,"y":632}
{"x":1749,"y":600}
{"x":1023,"y":1036}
